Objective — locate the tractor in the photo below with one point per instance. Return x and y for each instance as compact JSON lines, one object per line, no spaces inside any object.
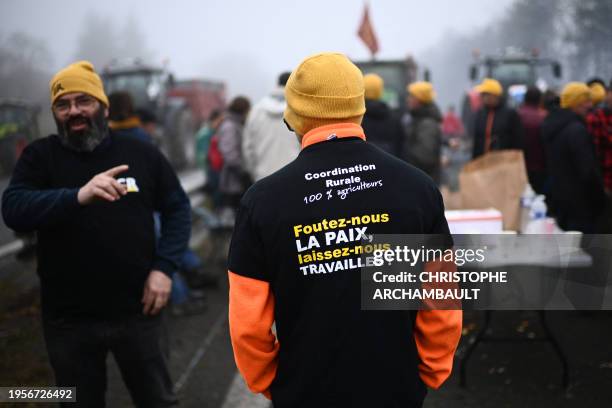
{"x":180,"y":106}
{"x":516,"y":71}
{"x":397,"y":74}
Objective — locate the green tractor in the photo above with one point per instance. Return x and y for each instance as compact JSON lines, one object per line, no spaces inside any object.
{"x":18,"y":127}
{"x":397,"y":74}
{"x":516,"y":71}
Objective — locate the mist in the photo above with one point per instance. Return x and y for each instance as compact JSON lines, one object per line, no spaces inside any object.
{"x":247,"y":44}
{"x":576,"y":33}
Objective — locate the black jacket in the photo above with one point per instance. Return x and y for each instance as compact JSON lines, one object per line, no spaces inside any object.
{"x":332,"y":353}
{"x":93,"y":260}
{"x":577,"y":191}
{"x":507,"y":132}
{"x":382,"y":128}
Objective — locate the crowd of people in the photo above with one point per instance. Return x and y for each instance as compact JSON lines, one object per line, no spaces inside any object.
{"x":113,"y":225}
{"x":566,"y":145}
{"x":565,"y":137}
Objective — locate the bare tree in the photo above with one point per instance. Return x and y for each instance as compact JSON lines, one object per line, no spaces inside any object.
{"x":24,"y":62}
{"x":134,"y":42}
{"x":530,"y":24}
{"x":575,"y":32}
{"x":101,"y":40}
{"x":591,"y":36}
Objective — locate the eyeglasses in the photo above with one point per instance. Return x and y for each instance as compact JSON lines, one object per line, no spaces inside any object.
{"x":288,"y":125}
{"x":83,"y":103}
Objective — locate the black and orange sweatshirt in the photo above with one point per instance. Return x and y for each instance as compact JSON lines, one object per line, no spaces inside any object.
{"x":93,"y":260}
{"x":326,"y":351}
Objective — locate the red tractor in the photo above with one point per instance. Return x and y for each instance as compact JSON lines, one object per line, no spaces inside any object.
{"x":180,"y":106}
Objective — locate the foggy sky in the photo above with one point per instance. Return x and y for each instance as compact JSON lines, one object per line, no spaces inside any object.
{"x":247,"y":43}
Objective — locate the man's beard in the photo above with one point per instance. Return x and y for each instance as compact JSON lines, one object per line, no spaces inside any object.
{"x":85,"y":140}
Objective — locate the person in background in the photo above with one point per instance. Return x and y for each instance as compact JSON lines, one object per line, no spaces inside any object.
{"x":455,"y":149}
{"x":496,"y":126}
{"x":234,"y":178}
{"x":577,"y":189}
{"x":532,"y":115}
{"x":208,"y":156}
{"x":384,"y":130}
{"x":472,"y":103}
{"x":424,"y":136}
{"x":148,"y":122}
{"x":599,"y":123}
{"x":550,"y":100}
{"x":90,"y":195}
{"x":452,"y":127}
{"x":267,"y":145}
{"x":598,"y":92}
{"x":123,"y":119}
{"x":125,"y":122}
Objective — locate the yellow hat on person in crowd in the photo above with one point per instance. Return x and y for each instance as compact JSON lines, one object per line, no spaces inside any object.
{"x":598,"y":93}
{"x":78,"y":77}
{"x":574,"y":93}
{"x":490,"y":86}
{"x":324,"y":89}
{"x":374,"y":86}
{"x":423,"y":91}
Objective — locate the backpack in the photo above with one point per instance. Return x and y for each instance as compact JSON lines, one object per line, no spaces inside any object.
{"x":215,"y":158}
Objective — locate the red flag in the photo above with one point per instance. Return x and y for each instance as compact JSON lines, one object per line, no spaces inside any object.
{"x":366,"y":32}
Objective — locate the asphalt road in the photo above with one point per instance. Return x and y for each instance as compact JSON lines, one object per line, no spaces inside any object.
{"x":6,"y":235}
{"x":510,"y":374}
{"x":503,"y":374}
{"x":201,"y":359}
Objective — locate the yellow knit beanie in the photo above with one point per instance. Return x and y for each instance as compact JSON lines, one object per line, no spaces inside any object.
{"x":324,"y":89}
{"x":573,"y":94}
{"x":374,"y":86}
{"x":78,"y":77}
{"x":423,"y":91}
{"x":490,"y":86}
{"x":598,"y":93}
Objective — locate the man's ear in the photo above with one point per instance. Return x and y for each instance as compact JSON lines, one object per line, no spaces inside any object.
{"x":105,"y":112}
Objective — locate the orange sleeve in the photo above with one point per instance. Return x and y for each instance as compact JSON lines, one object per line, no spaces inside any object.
{"x":437,"y":334}
{"x":251,"y":315}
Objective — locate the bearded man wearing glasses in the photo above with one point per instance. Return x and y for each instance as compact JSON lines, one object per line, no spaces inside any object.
{"x":90,"y":197}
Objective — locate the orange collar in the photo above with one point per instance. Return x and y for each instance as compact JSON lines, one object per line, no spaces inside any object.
{"x":331,"y":132}
{"x":129,"y":123}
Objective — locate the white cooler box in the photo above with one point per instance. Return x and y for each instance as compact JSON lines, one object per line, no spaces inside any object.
{"x":488,"y":221}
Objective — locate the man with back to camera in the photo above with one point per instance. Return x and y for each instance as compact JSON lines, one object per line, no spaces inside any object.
{"x":424,"y":135}
{"x":90,"y":196}
{"x":267,"y":144}
{"x":577,"y":187}
{"x":379,"y":123}
{"x":327,"y":352}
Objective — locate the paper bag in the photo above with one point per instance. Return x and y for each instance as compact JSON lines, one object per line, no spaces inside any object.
{"x":452,"y":199}
{"x":496,"y":179}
